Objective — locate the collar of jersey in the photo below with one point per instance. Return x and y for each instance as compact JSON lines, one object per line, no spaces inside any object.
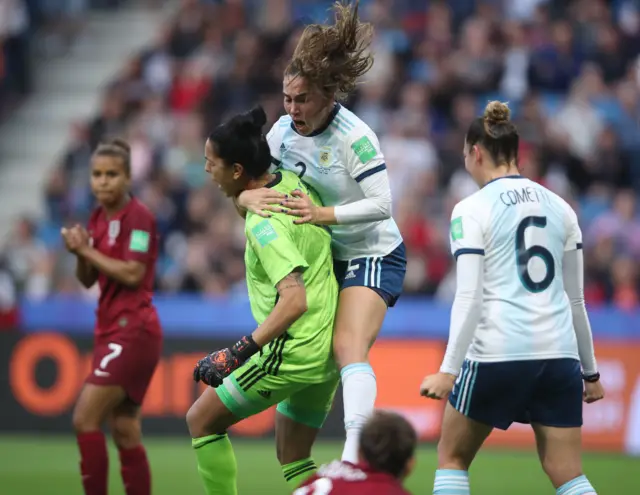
{"x":320,"y":130}
{"x":505,"y":177}
{"x":275,"y":181}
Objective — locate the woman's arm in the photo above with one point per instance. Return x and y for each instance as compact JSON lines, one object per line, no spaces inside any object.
{"x":85,"y":272}
{"x":573,"y":278}
{"x":465,"y":312}
{"x":291,"y":305}
{"x":130,"y":272}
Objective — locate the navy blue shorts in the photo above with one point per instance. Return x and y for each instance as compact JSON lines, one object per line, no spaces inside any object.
{"x":383,"y":274}
{"x":545,"y":391}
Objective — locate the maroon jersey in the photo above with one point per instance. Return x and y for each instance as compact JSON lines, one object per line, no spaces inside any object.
{"x":344,"y":478}
{"x":129,"y":234}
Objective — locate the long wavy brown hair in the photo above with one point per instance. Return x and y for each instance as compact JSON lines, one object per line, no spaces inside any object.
{"x":334,"y":57}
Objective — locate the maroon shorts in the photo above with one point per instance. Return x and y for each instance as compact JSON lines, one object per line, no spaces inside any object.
{"x":126,"y":359}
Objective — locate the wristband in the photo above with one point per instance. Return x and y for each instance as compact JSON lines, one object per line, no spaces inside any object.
{"x":245,"y":348}
{"x":591,"y":378}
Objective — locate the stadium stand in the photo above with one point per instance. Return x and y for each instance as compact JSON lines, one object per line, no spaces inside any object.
{"x":570,"y":71}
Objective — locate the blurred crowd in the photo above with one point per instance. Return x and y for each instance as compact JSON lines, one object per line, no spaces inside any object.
{"x":569,"y":69}
{"x":30,"y":29}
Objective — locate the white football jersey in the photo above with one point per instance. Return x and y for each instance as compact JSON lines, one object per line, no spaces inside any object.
{"x":333,"y":161}
{"x":523,"y":231}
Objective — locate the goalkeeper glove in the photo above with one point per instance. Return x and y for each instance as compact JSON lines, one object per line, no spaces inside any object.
{"x":215,"y":367}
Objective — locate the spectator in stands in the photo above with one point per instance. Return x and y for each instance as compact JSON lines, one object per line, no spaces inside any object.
{"x":14,"y":43}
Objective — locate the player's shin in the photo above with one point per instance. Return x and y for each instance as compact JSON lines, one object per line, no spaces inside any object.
{"x":451,"y":482}
{"x":359,"y":394}
{"x":295,"y":473}
{"x":216,"y":464}
{"x":134,"y":468}
{"x":577,"y":486}
{"x":94,"y":462}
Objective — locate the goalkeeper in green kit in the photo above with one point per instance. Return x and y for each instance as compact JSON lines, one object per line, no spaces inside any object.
{"x":288,"y":359}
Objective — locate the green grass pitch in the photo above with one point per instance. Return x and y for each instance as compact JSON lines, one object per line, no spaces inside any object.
{"x":49,"y":465}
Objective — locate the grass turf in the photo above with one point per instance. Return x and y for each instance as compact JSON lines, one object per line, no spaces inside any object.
{"x":30,"y":464}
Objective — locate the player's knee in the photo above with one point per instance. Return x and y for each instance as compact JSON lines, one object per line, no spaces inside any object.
{"x":349,"y":350}
{"x":561,"y":471}
{"x":194,"y":422}
{"x":83,"y":421}
{"x":292,"y":452}
{"x":126,"y":432}
{"x":452,"y":457}
{"x":201,"y":424}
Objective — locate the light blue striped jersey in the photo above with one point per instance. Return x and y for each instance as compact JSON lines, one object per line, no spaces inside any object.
{"x":333,"y":161}
{"x":523,"y":231}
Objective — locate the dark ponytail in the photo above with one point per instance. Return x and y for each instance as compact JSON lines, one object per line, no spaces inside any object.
{"x":241,"y":140}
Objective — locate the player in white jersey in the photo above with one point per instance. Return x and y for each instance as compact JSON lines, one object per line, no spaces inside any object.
{"x":339,"y":156}
{"x":518,"y":318}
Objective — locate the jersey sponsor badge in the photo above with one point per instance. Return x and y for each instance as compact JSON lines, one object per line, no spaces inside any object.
{"x":114,"y":231}
{"x":456,"y":229}
{"x":264,"y":233}
{"x":139,"y":241}
{"x":364,"y":148}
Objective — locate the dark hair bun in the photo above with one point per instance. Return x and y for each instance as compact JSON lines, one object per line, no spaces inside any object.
{"x":497,"y":112}
{"x":250,"y":124}
{"x":258,"y":116}
{"x":121,"y":143}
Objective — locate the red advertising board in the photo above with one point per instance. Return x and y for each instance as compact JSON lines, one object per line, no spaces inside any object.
{"x":39,"y":397}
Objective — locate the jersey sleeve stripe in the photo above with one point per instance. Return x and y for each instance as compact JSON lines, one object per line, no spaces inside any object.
{"x":275,"y":162}
{"x":579,"y":245}
{"x":468,"y":251}
{"x":370,"y":172}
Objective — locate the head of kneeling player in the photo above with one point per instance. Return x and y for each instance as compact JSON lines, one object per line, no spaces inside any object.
{"x":388,"y":444}
{"x":386,"y":457}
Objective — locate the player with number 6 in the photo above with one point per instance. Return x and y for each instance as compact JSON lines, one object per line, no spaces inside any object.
{"x":119,"y":251}
{"x":520,"y":347}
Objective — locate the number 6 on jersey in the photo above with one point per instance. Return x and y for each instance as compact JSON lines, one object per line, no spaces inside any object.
{"x":524,"y":255}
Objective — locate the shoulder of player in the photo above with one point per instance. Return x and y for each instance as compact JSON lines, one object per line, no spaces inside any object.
{"x":255,"y":223}
{"x":279,"y":126}
{"x":139,"y":211}
{"x":356,"y":129}
{"x":469,"y":206}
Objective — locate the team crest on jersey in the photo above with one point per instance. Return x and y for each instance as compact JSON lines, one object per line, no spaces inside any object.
{"x":324,"y":159}
{"x":114,"y":231}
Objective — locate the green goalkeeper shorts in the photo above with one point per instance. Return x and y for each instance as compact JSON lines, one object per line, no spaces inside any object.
{"x":250,"y":390}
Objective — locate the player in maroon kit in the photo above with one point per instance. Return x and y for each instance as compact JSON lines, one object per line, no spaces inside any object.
{"x":118,"y":251}
{"x":387,"y":456}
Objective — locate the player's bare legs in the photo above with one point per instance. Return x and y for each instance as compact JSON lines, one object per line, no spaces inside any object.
{"x":460,"y":441}
{"x":126,"y":429}
{"x":91,"y":411}
{"x":361,"y":312}
{"x":208,"y":420}
{"x":293,"y":446}
{"x":559,"y":450}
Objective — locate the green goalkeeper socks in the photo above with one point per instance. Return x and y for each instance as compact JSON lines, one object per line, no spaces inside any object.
{"x":216,"y":464}
{"x":296,"y":472}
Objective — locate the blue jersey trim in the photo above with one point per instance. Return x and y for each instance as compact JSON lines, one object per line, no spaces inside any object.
{"x":370,"y":172}
{"x":275,"y":161}
{"x":579,"y":245}
{"x":505,"y":177}
{"x":468,"y":251}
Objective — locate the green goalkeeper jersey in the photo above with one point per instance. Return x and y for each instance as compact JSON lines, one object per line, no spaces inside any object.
{"x":275,"y":248}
